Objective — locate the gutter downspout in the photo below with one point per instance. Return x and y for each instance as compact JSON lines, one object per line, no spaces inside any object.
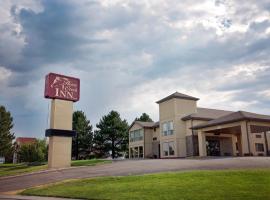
{"x":248,"y":137}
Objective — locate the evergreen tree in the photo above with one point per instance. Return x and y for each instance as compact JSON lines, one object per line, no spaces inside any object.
{"x":6,"y":136}
{"x":112,"y":135}
{"x":144,"y":118}
{"x":82,"y":143}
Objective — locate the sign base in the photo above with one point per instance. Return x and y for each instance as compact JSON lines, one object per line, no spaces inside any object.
{"x":59,"y":152}
{"x":60,"y":134}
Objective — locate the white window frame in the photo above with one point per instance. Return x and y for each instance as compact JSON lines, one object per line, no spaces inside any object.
{"x":167,"y":128}
{"x":136,"y":135}
{"x":166,"y":148}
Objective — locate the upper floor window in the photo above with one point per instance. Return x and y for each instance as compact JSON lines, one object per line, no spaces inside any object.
{"x":136,"y":135}
{"x":167,"y":128}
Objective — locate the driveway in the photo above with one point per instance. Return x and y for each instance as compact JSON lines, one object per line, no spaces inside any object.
{"x":130,"y":167}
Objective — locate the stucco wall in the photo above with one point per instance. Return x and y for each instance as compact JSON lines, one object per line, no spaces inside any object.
{"x":148,"y":139}
{"x":255,"y":140}
{"x":189,"y":124}
{"x":137,"y":143}
{"x":174,"y":110}
{"x":226,"y":146}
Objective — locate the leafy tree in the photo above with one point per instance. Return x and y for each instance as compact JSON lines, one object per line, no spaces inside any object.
{"x":83,"y":142}
{"x":6,"y":137}
{"x":144,"y":118}
{"x":112,"y":135}
{"x":33,"y":152}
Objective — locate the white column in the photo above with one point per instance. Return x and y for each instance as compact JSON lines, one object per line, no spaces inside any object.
{"x":244,"y":139}
{"x":202,"y":143}
{"x":234,"y":140}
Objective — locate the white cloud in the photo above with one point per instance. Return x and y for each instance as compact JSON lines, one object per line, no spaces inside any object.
{"x":4,"y":74}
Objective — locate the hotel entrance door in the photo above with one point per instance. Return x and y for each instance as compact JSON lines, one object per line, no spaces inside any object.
{"x":213,"y":147}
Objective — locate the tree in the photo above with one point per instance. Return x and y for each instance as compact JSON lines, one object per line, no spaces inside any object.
{"x":33,"y":152}
{"x":144,"y":118}
{"x":112,"y":135}
{"x":6,"y":137}
{"x":82,"y":143}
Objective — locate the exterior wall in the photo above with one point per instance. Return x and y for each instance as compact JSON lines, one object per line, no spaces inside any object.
{"x":156,"y":149}
{"x":156,"y":143}
{"x":173,"y":110}
{"x":190,"y":123}
{"x":226,"y":146}
{"x":192,"y":145}
{"x":167,"y":113}
{"x":156,"y":134}
{"x":136,"y":143}
{"x":146,"y":143}
{"x":268,"y":141}
{"x":255,"y":140}
{"x":148,"y":140}
{"x":192,"y":148}
{"x":264,"y":140}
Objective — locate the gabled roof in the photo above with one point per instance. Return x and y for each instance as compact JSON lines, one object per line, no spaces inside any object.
{"x":145,"y":124}
{"x":206,"y":114}
{"x":177,"y":95}
{"x":234,"y":117}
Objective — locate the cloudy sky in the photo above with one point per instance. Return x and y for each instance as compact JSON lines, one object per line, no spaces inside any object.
{"x":129,"y":54}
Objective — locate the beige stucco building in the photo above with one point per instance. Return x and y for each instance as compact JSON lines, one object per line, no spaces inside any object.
{"x":187,"y":130}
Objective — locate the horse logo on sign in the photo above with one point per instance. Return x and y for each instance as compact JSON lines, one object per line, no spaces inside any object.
{"x":62,"y":87}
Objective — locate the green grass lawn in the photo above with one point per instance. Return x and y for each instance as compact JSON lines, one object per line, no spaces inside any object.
{"x":15,"y":169}
{"x":196,"y":185}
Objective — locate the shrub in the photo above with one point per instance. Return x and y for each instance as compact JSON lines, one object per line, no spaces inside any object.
{"x":34,"y":152}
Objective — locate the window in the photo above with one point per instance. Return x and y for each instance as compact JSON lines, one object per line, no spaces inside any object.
{"x":258,"y":136}
{"x":136,"y":135}
{"x":167,"y":128}
{"x":259,"y":147}
{"x":168,"y":148}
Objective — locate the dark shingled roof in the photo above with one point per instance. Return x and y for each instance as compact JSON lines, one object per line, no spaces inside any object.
{"x":178,"y":95}
{"x":235,"y":117}
{"x":146,"y":124}
{"x":206,"y":114}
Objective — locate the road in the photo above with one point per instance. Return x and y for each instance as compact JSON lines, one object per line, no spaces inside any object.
{"x":130,"y":167}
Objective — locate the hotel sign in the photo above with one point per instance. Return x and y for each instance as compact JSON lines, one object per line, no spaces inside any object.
{"x":62,"y":87}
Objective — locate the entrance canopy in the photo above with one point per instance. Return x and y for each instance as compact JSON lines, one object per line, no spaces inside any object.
{"x":240,"y":126}
{"x":234,"y":117}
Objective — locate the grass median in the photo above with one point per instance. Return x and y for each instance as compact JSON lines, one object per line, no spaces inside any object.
{"x":196,"y":185}
{"x":22,"y":168}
